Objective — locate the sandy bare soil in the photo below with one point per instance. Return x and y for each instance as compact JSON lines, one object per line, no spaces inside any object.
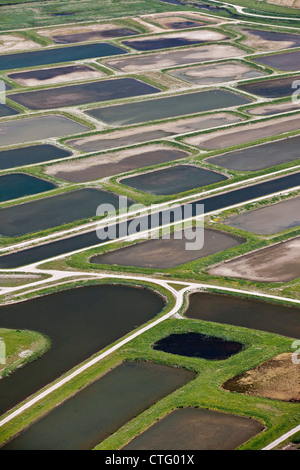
{"x":270,"y":109}
{"x":240,"y":135}
{"x":163,"y":60}
{"x":216,"y":73}
{"x":135,"y":135}
{"x":276,"y":263}
{"x":13,"y":42}
{"x":68,"y":30}
{"x":163,"y":19}
{"x":113,"y":163}
{"x":278,"y":378}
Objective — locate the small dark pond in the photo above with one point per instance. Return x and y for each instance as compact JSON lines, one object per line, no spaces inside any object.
{"x":286,"y":61}
{"x":7,"y":111}
{"x":161,"y":43}
{"x":198,"y":345}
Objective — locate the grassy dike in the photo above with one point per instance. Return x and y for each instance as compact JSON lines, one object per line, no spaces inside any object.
{"x":32,"y":343}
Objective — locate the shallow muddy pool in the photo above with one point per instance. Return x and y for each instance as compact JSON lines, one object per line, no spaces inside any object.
{"x":60,"y":54}
{"x":270,"y":40}
{"x":253,"y":314}
{"x":198,"y":345}
{"x":163,"y":108}
{"x":275,"y":88}
{"x":92,"y":35}
{"x":102,"y":166}
{"x":43,"y":214}
{"x":19,"y":185}
{"x":105,"y":141}
{"x":72,"y":95}
{"x":286,"y":61}
{"x":79,"y":322}
{"x":196,"y":429}
{"x":174,"y":180}
{"x":270,"y":109}
{"x":175,"y":40}
{"x":277,"y":379}
{"x":276,"y":263}
{"x":56,"y":75}
{"x":164,"y":253}
{"x":171,"y":58}
{"x":218,"y":73}
{"x":261,"y":156}
{"x":268,"y":220}
{"x":37,"y":128}
{"x":23,"y":156}
{"x":102,"y":408}
{"x":236,"y":135}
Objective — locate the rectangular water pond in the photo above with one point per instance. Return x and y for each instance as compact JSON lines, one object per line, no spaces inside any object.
{"x":23,"y":156}
{"x":162,"y":108}
{"x":53,"y":211}
{"x":102,"y":408}
{"x":286,"y":61}
{"x":253,"y":314}
{"x":55,"y":75}
{"x":276,"y":263}
{"x":196,"y":429}
{"x":19,"y":185}
{"x":275,"y":88}
{"x":173,"y":180}
{"x":261,"y":156}
{"x":72,"y":95}
{"x":175,"y":40}
{"x":79,"y":321}
{"x":165,"y":254}
{"x":38,"y":128}
{"x":60,"y":54}
{"x":109,"y":164}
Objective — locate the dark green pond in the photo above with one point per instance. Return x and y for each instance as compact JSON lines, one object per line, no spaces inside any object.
{"x":196,"y":429}
{"x":7,"y":111}
{"x":79,"y":323}
{"x":13,"y":158}
{"x":173,"y":180}
{"x":198,"y":345}
{"x":102,"y":408}
{"x":252,"y":314}
{"x":162,"y":108}
{"x":43,"y":214}
{"x":18,"y":185}
{"x":73,"y":95}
